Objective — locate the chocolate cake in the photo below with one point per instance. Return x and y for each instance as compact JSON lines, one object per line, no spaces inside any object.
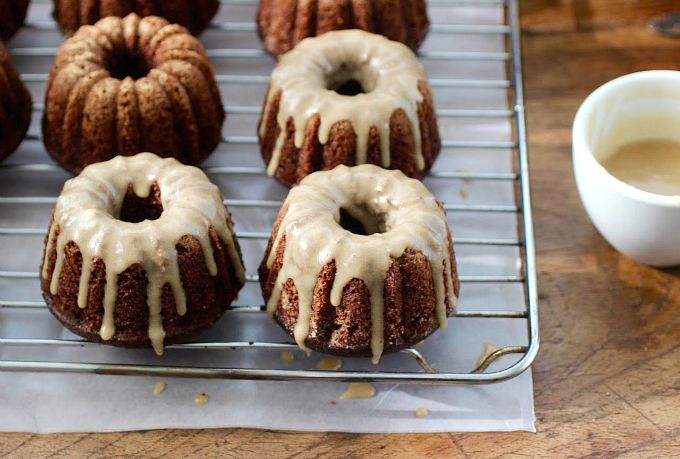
{"x":348,"y":97}
{"x":282,"y":24}
{"x":360,"y":263}
{"x":140,"y":252}
{"x":129,"y":85}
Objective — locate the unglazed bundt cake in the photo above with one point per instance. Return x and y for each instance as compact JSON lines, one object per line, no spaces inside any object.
{"x":128,"y":85}
{"x":195,"y":15}
{"x":348,"y":97}
{"x":284,"y":23}
{"x":360,"y":262}
{"x":140,"y":251}
{"x":15,"y":106}
{"x":12,"y":16}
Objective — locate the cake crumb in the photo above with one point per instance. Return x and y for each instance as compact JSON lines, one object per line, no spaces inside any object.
{"x":358,"y":390}
{"x":464,"y":192}
{"x":159,"y":388}
{"x":287,"y":356}
{"x":422,"y":412}
{"x":201,"y":398}
{"x":332,"y":402}
{"x":468,"y":181}
{"x":329,"y":364}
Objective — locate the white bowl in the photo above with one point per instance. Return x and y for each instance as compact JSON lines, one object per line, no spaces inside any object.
{"x":642,"y":225}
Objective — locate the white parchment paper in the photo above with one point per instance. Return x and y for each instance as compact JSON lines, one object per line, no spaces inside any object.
{"x":58,"y":402}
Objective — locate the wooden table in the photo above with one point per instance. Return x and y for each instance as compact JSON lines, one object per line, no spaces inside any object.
{"x":606,"y":380}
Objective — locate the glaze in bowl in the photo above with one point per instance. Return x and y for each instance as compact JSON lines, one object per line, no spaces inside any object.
{"x":645,"y":105}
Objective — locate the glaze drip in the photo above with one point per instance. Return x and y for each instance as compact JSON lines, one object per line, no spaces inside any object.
{"x":358,"y":391}
{"x":87,"y":214}
{"x":410,"y":216}
{"x":387,"y":71}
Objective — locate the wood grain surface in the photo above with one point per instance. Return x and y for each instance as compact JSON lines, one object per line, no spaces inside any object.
{"x":606,"y":381}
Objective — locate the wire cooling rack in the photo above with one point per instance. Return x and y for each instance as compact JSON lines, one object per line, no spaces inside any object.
{"x":30,"y":182}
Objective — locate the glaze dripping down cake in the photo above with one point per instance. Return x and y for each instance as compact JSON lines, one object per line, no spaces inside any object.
{"x":140,"y":252}
{"x":15,"y":106}
{"x":12,"y":16}
{"x":360,"y":262}
{"x":348,"y":97}
{"x":195,"y":15}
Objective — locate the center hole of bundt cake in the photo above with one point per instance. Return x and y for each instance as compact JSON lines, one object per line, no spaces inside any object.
{"x":135,"y":209}
{"x":125,"y":65}
{"x":349,"y":88}
{"x":363,"y":225}
{"x":351,"y":79}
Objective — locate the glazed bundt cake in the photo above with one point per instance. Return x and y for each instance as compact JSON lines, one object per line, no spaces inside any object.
{"x":360,"y":262}
{"x":195,"y":15}
{"x":128,"y":85}
{"x":348,"y":97}
{"x":12,"y":16}
{"x":140,"y":251}
{"x":283,"y":24}
{"x":15,"y":106}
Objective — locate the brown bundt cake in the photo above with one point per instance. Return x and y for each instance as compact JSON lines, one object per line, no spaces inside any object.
{"x":195,"y":15}
{"x":348,"y":97}
{"x":12,"y":15}
{"x":360,"y":262}
{"x":140,"y":251}
{"x":128,"y":85}
{"x":15,"y":106}
{"x":283,"y":24}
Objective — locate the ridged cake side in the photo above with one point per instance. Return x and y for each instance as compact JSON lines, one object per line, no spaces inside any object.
{"x":12,"y":16}
{"x":282,"y":24}
{"x":296,"y":163}
{"x":195,"y":15}
{"x":207,"y":296}
{"x":409,"y":314}
{"x":15,"y":106}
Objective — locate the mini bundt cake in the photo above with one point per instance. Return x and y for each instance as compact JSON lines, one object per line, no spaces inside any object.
{"x":12,"y":16}
{"x":283,"y":24}
{"x":15,"y":106}
{"x":195,"y":15}
{"x":348,"y":97}
{"x":360,"y":262}
{"x":140,"y":251}
{"x":128,"y":85}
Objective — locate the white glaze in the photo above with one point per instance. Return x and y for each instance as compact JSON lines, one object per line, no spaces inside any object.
{"x":86,"y":213}
{"x":411,"y":218}
{"x":388,"y":71}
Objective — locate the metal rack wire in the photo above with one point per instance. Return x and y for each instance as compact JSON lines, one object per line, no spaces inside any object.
{"x":524,"y":242}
